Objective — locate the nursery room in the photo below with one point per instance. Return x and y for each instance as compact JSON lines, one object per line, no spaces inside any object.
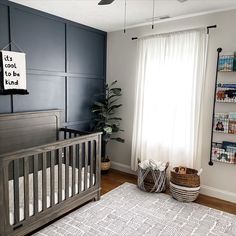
{"x":117,"y":117}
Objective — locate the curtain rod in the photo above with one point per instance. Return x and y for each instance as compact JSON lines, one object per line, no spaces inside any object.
{"x":208,"y":30}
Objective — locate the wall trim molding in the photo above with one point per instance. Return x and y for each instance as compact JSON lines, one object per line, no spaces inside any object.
{"x":37,"y":12}
{"x":218,"y":193}
{"x":122,"y":167}
{"x":64,"y":74}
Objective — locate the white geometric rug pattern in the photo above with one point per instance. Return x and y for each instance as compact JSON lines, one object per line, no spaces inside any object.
{"x":127,"y":210}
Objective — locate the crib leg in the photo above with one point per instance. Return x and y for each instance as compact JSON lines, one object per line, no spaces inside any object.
{"x":98,"y":196}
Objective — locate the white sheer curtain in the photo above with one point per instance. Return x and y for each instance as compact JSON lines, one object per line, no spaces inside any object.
{"x":169,"y":87}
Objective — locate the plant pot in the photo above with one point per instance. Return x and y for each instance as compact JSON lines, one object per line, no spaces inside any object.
{"x":105,"y":166}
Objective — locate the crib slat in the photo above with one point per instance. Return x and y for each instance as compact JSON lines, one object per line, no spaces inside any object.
{"x":73,"y":153}
{"x":97,"y":163}
{"x":98,"y":169}
{"x":26,"y":188}
{"x":44,"y":181}
{"x":67,"y":172}
{"x":16,"y":192}
{"x":52,"y":187}
{"x":91,"y":162}
{"x":86,"y":166}
{"x":6,"y":193}
{"x":60,"y":176}
{"x":35,"y":184}
{"x":80,"y":159}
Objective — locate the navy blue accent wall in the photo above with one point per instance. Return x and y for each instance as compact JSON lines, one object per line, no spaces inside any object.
{"x":66,"y":63}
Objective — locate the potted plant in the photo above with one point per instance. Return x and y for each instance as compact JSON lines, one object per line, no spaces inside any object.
{"x":106,"y":121}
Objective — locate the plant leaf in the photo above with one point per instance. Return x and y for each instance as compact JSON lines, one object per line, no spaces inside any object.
{"x":96,"y":110}
{"x":114,"y":82}
{"x":99,"y":104}
{"x":114,"y":107}
{"x":108,"y":130}
{"x":115,"y":118}
{"x":116,"y":91}
{"x":112,"y":96}
{"x":121,"y":140}
{"x":114,"y":101}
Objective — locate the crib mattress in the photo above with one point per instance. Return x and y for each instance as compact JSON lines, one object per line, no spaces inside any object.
{"x":48,"y":192}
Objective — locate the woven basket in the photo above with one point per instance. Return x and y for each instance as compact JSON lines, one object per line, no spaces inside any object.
{"x":190,"y":179}
{"x":106,"y":165}
{"x":152,"y":180}
{"x":184,"y":194}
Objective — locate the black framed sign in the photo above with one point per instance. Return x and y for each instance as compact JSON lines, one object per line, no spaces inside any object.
{"x":12,"y":73}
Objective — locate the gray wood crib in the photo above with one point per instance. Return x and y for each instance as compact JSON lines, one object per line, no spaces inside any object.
{"x":45,"y":170}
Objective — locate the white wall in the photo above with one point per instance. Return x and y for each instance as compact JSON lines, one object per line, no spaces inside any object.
{"x":219,"y":180}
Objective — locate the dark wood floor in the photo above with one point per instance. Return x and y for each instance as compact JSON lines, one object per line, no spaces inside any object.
{"x":115,"y":178}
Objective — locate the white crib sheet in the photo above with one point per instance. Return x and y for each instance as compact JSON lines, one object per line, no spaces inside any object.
{"x":31,"y":198}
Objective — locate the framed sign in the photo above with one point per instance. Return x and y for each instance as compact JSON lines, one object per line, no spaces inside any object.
{"x":12,"y":73}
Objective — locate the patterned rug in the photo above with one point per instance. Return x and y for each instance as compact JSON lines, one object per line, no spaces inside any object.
{"x":128,"y":211}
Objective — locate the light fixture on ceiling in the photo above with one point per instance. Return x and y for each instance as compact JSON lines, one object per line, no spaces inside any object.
{"x":164,"y":17}
{"x":158,"y":18}
{"x":153,"y":13}
{"x":105,"y":2}
{"x":125,"y":17}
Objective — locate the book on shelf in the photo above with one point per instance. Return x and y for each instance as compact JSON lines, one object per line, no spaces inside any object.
{"x":226,"y":63}
{"x":226,"y":86}
{"x":226,"y":144}
{"x":226,"y":93}
{"x":222,"y":115}
{"x":223,"y":153}
{"x":234,"y":64}
{"x":221,"y":123}
{"x":232,"y":115}
{"x":232,"y":127}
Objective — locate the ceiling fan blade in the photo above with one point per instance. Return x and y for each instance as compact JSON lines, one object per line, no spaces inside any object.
{"x":105,"y":2}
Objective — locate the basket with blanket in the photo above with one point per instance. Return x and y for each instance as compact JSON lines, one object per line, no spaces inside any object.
{"x":152,"y":176}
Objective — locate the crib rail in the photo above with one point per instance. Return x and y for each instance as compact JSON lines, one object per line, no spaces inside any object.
{"x":35,"y":183}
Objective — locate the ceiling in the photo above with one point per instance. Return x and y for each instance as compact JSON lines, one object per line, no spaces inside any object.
{"x":111,"y":17}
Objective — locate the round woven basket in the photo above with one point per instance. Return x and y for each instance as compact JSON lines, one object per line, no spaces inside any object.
{"x":190,"y":179}
{"x":152,"y":180}
{"x":105,"y":165}
{"x":184,"y":194}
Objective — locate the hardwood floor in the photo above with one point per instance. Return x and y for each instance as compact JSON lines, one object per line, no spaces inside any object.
{"x":114,"y":178}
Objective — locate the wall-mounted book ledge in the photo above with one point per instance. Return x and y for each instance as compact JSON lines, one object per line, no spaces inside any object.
{"x":223,"y":146}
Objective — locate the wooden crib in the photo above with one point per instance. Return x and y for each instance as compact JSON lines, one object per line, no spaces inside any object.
{"x":45,"y":170}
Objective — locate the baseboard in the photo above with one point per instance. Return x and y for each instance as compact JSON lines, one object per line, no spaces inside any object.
{"x":122,"y":167}
{"x":217,"y":193}
{"x":206,"y":190}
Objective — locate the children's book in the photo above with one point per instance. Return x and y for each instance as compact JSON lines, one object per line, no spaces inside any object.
{"x":232,"y":127}
{"x":221,"y":123}
{"x":226,"y":63}
{"x":224,"y":152}
{"x":226,"y":93}
{"x":232,"y":115}
{"x":225,"y":144}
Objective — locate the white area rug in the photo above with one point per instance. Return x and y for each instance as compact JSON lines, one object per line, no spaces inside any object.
{"x":128,"y":211}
